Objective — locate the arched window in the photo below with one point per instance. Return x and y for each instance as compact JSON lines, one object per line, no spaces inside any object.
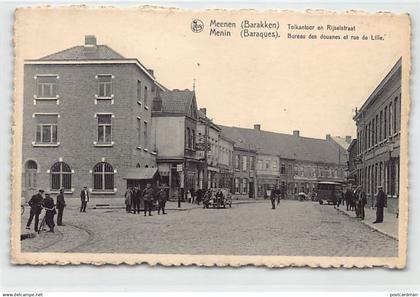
{"x":31,"y":169}
{"x":103,"y":176}
{"x":60,"y":176}
{"x":138,"y":165}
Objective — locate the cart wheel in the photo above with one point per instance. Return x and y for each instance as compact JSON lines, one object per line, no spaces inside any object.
{"x":321,"y":202}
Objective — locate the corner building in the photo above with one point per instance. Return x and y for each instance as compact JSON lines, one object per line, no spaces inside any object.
{"x":378,"y":124}
{"x":86,"y":121}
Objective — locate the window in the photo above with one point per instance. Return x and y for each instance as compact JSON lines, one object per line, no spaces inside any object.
{"x":244,"y":186}
{"x":139,"y":132}
{"x":380,"y":125}
{"x":145,"y":132}
{"x":376,"y":129}
{"x":188,"y":136}
{"x":105,"y":86}
{"x":372,"y":142}
{"x":275,"y":165}
{"x":145,"y":96}
{"x":46,"y":128}
{"x":295,"y":170}
{"x":104,"y":128}
{"x":267,"y":164}
{"x":138,"y":90}
{"x":46,"y":86}
{"x":192,"y":139}
{"x":244,"y":163}
{"x":31,"y":169}
{"x":260,"y":165}
{"x":237,"y":185}
{"x":103,"y":176}
{"x":395,"y":114}
{"x":252,"y":162}
{"x":386,"y":122}
{"x":60,"y":176}
{"x":283,"y":169}
{"x":237,"y":160}
{"x":391,"y":120}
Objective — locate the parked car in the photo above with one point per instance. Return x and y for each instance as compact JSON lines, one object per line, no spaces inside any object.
{"x":329,"y":192}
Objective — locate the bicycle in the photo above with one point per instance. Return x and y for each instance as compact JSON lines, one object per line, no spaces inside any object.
{"x":41,"y":226}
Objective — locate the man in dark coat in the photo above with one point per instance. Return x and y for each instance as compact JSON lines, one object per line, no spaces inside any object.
{"x":380,"y":204}
{"x":148,"y":199}
{"x":162,"y":197}
{"x":136,"y":198}
{"x":49,"y":206}
{"x":348,"y":197}
{"x":36,"y":206}
{"x":363,"y":202}
{"x":84,"y":198}
{"x":61,"y":203}
{"x":273,"y":198}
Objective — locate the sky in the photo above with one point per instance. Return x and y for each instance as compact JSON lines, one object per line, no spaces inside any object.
{"x":283,"y":84}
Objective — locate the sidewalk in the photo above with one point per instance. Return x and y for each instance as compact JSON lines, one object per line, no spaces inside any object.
{"x":389,"y":226}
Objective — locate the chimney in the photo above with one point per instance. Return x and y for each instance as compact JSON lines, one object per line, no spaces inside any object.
{"x":151,"y":72}
{"x":204,"y":110}
{"x":328,"y":137}
{"x":257,"y":127}
{"x":296,"y":133}
{"x":90,"y":41}
{"x":348,"y":139}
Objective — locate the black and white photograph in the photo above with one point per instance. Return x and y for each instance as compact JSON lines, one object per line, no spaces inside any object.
{"x":210,"y":137}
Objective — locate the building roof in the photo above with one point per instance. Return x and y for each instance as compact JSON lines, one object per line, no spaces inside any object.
{"x":80,"y":52}
{"x":286,"y":146}
{"x":341,"y":142}
{"x":177,"y":101}
{"x":141,"y":173}
{"x":395,"y":70}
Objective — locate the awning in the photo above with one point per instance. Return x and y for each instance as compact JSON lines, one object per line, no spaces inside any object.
{"x":141,"y":173}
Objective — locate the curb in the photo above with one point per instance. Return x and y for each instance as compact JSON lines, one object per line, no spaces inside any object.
{"x":371,"y":226}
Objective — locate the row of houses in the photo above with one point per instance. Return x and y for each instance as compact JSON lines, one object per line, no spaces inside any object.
{"x":374,"y":156}
{"x":95,"y":118}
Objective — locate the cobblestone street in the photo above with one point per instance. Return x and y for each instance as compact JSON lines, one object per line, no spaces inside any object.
{"x":294,"y":228}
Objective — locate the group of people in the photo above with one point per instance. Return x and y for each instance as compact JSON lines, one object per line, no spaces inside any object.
{"x":134,"y":196}
{"x":356,"y":200}
{"x":43,"y":200}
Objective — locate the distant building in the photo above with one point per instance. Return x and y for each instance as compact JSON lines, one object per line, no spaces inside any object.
{"x":226,"y":148}
{"x":86,"y":121}
{"x":294,"y":161}
{"x":378,"y":124}
{"x":206,"y":128}
{"x":174,"y":122}
{"x":354,"y":159}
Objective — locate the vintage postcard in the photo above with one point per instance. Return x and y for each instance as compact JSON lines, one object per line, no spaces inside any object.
{"x":216,"y":137}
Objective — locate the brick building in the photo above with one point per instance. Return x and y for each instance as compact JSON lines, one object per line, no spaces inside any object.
{"x":86,"y":120}
{"x":174,"y":119}
{"x":378,"y":124}
{"x":297,"y":163}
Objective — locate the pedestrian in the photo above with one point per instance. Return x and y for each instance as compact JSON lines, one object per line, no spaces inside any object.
{"x":162,"y":197}
{"x":48,"y":204}
{"x":192,"y":192}
{"x":148,"y":199}
{"x":356,"y":202}
{"x":84,"y":198}
{"x":36,"y":207}
{"x":282,"y":192}
{"x":273,"y":199}
{"x":363,"y":202}
{"x":128,"y":199}
{"x":348,"y":197}
{"x":136,"y":197}
{"x":380,"y":204}
{"x":61,"y":203}
{"x":199,"y":196}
